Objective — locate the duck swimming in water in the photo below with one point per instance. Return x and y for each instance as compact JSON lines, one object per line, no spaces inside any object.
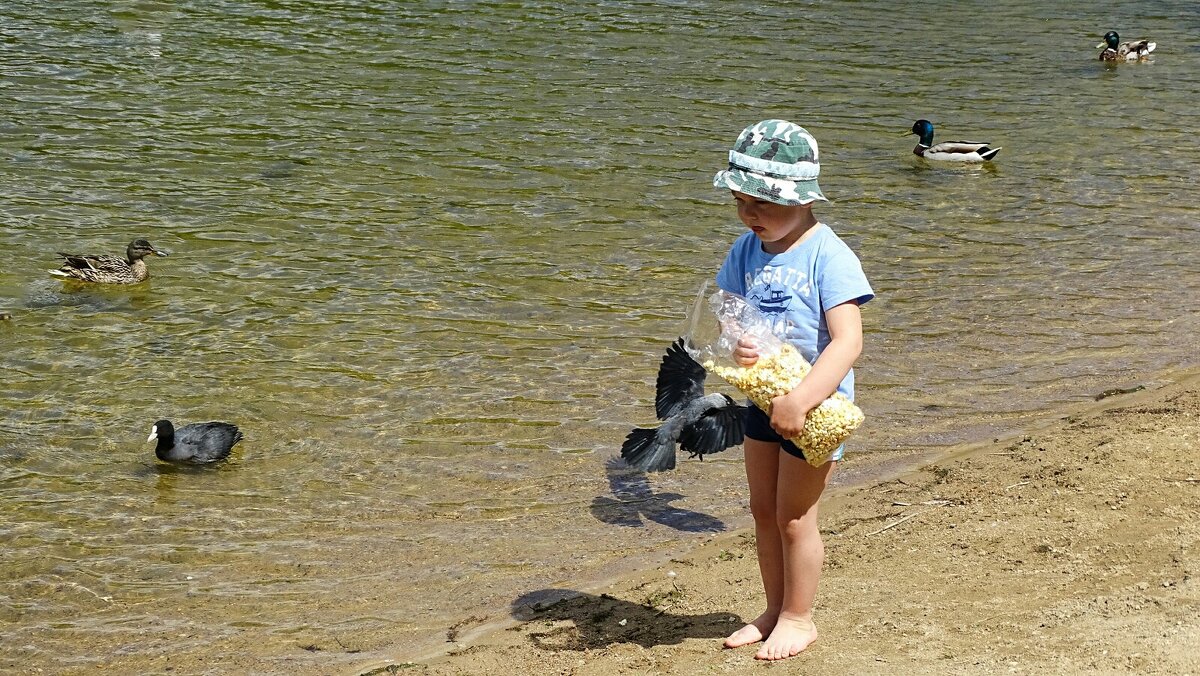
{"x":1115,"y":50}
{"x":948,"y":151}
{"x":197,"y":443}
{"x":109,"y":269}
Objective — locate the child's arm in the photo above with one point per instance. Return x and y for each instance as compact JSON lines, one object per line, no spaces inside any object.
{"x":789,"y":411}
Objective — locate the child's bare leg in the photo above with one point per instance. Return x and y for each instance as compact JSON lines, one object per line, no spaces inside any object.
{"x":762,"y":473}
{"x":798,"y":494}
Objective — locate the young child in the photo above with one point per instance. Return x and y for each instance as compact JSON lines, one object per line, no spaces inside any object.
{"x":801,"y":275}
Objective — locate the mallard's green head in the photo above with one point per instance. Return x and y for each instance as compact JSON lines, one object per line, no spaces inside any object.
{"x":1111,"y":39}
{"x":140,"y":248}
{"x":924,"y":129}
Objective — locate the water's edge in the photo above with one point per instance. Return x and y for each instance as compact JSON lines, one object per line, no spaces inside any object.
{"x":869,"y":470}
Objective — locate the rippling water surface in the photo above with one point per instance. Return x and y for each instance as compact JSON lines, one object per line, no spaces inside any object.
{"x":428,"y":254}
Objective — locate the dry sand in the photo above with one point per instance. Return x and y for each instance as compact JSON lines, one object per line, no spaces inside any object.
{"x":1068,"y":550}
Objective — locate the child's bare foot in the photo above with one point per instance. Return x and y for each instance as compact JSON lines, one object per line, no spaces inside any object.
{"x":754,"y":632}
{"x":787,"y":639}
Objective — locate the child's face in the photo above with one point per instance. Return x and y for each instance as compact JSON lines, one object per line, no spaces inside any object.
{"x":772,"y":223}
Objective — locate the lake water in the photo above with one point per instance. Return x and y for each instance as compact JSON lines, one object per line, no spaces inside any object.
{"x":428,"y":256}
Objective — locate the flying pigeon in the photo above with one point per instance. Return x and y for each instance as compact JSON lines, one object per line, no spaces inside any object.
{"x":700,"y":424}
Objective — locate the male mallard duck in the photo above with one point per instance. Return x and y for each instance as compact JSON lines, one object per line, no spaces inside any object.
{"x":195,"y":443}
{"x":109,"y":269}
{"x":948,"y":151}
{"x":1115,"y":50}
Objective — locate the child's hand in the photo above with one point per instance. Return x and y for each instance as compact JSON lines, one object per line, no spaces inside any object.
{"x":788,"y":415}
{"x":746,"y":352}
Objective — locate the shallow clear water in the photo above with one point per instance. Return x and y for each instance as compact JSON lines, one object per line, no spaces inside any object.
{"x":428,"y":254}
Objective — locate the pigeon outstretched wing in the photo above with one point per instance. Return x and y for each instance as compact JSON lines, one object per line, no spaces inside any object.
{"x":715,"y":431}
{"x":680,"y":381}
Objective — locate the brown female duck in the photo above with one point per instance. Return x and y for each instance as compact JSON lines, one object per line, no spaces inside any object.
{"x":109,"y":269}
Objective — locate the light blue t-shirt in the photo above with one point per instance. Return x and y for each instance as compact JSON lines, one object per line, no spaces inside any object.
{"x":795,"y":288}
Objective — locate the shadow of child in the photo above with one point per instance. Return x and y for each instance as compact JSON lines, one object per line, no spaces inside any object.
{"x":563,"y":619}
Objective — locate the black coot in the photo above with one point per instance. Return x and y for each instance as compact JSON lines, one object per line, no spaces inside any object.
{"x":195,"y":443}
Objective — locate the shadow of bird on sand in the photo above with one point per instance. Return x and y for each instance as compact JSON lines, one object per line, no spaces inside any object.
{"x":633,"y":499}
{"x":581,"y":621}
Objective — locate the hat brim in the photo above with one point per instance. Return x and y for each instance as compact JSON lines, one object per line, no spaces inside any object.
{"x":777,"y":190}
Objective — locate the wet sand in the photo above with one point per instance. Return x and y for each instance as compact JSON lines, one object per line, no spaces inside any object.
{"x":1068,"y":549}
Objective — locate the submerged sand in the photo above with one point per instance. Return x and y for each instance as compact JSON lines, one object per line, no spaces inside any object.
{"x":1068,"y":550}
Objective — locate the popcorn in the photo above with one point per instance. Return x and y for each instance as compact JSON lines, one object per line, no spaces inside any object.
{"x":718,"y":321}
{"x":774,"y":375}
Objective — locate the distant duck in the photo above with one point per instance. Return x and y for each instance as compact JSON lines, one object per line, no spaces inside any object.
{"x":109,"y":269}
{"x":1115,"y":50}
{"x":948,"y":151}
{"x":196,"y":443}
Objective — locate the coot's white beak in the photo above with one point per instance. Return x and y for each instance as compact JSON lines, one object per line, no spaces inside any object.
{"x":153,"y":433}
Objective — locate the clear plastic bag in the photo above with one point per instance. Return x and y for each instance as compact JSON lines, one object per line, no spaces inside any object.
{"x":715,"y":324}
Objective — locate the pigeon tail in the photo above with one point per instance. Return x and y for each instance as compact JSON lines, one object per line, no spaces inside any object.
{"x":643,"y":450}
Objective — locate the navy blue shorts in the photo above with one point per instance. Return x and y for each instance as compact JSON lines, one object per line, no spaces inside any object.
{"x":758,"y":427}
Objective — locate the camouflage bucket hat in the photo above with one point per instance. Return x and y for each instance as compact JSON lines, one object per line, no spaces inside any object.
{"x":774,"y":160}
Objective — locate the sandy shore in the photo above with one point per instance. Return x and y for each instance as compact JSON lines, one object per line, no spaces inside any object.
{"x":1072,"y":549}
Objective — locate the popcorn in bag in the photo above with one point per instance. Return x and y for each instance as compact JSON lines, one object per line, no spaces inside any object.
{"x":714,"y":333}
